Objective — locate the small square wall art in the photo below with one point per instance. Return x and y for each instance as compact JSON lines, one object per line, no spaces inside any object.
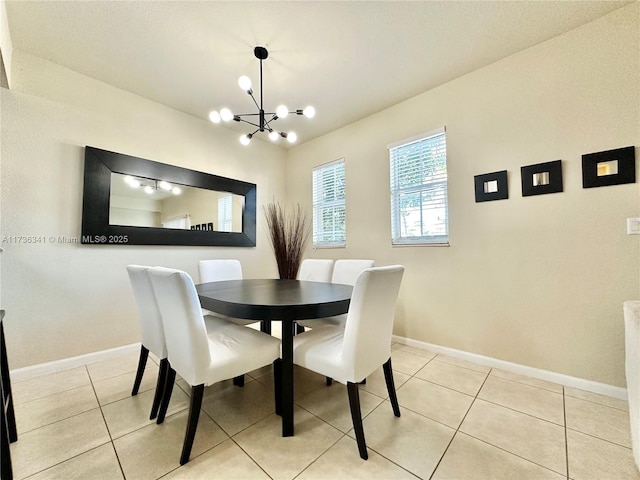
{"x":541,"y":178}
{"x":491,"y":186}
{"x":611,"y":167}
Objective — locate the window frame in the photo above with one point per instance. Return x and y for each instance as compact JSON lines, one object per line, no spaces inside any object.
{"x":318,"y":206}
{"x":395,"y":192}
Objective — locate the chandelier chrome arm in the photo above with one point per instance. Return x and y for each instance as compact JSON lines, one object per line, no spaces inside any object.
{"x":263,"y":123}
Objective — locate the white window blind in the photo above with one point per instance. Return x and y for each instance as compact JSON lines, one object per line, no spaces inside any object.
{"x":419,"y":209}
{"x":329,"y":208}
{"x":224,"y":214}
{"x":182,"y":222}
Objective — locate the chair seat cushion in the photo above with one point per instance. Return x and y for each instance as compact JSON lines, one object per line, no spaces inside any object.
{"x":237,"y":321}
{"x":320,"y":350}
{"x":337,"y":321}
{"x":236,"y":350}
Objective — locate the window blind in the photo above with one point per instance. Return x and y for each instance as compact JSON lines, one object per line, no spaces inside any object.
{"x":419,"y":208}
{"x":329,"y":205}
{"x":224,"y":214}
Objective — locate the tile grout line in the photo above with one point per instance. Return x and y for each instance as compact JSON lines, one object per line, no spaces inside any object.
{"x":106,"y":426}
{"x":458,"y":427}
{"x":489,"y":443}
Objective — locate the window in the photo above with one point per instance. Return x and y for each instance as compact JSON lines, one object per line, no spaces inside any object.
{"x":224,"y":214}
{"x":419,"y":211}
{"x":182,"y":222}
{"x":329,"y":219}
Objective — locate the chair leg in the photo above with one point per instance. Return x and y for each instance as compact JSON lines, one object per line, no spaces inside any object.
{"x":356,"y":418}
{"x":166,"y":395}
{"x":160,"y":386}
{"x":265,"y":327}
{"x":238,"y":381}
{"x":391,"y":387}
{"x":329,"y":381}
{"x":197,"y":393}
{"x":299,"y":329}
{"x":277,"y":384}
{"x":142,"y":362}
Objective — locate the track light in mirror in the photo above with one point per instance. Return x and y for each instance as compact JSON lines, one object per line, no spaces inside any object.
{"x":262,"y":121}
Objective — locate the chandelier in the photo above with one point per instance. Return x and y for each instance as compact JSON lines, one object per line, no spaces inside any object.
{"x":150,"y":186}
{"x":261,"y":120}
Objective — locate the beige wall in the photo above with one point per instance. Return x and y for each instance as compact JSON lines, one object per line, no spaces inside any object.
{"x":65,"y":299}
{"x":538,"y":281}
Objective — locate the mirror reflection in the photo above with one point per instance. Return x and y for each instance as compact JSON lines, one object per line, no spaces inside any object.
{"x":143,"y":202}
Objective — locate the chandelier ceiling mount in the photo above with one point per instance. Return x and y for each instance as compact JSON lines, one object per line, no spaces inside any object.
{"x":261,"y":120}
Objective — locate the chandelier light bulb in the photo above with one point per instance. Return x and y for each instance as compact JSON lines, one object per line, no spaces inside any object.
{"x":214,"y":116}
{"x":245,"y":83}
{"x":245,"y":139}
{"x":226,"y":114}
{"x":176,"y":190}
{"x":309,"y":112}
{"x":164,"y":185}
{"x":282,"y":111}
{"x":273,"y":135}
{"x":148,"y":189}
{"x":132,"y":182}
{"x":292,"y":137}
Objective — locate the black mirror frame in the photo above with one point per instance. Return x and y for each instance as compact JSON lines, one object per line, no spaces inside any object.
{"x":98,"y":166}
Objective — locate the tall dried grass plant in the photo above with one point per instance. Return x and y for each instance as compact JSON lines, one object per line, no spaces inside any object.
{"x":289,"y":231}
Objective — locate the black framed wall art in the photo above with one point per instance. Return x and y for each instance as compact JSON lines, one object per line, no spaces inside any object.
{"x":611,"y":167}
{"x":491,"y":186}
{"x":541,"y":178}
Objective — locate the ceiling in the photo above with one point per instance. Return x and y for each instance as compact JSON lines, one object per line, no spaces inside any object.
{"x":349,"y":59}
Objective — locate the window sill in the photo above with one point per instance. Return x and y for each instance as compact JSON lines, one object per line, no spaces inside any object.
{"x":441,"y":244}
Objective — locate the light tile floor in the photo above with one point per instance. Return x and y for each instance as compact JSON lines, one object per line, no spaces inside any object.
{"x":459,"y":421}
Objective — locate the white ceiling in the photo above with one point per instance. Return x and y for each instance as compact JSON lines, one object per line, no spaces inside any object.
{"x":349,"y":59}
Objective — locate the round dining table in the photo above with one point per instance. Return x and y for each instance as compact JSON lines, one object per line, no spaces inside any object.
{"x":281,"y":300}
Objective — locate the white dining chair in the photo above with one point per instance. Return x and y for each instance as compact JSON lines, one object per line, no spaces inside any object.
{"x":218,"y":270}
{"x":316,"y":270}
{"x":352,"y":353}
{"x":200,"y":357}
{"x":345,"y":271}
{"x":153,"y":338}
{"x":152,"y":332}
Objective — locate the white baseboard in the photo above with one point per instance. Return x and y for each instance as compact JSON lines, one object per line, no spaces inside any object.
{"x":25,"y":373}
{"x":566,"y":380}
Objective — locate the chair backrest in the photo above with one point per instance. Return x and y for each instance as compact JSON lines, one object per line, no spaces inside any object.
{"x":346,"y":271}
{"x":219,"y":270}
{"x":316,"y":270}
{"x":148,"y":313}
{"x":369,"y":325}
{"x":184,"y":327}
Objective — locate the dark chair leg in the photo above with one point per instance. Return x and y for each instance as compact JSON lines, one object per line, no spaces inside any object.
{"x":265,"y":327}
{"x":160,"y":385}
{"x":238,"y":381}
{"x":197,"y":393}
{"x":356,"y":417}
{"x":6,"y":469}
{"x":277,"y":384}
{"x":142,"y":362}
{"x":329,"y":381}
{"x":166,"y":395}
{"x":391,"y":387}
{"x":299,"y":329}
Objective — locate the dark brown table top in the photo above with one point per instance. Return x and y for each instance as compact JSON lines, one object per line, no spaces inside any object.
{"x":275,"y":299}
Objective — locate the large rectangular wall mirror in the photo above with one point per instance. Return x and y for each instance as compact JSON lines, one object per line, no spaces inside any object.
{"x":134,"y":201}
